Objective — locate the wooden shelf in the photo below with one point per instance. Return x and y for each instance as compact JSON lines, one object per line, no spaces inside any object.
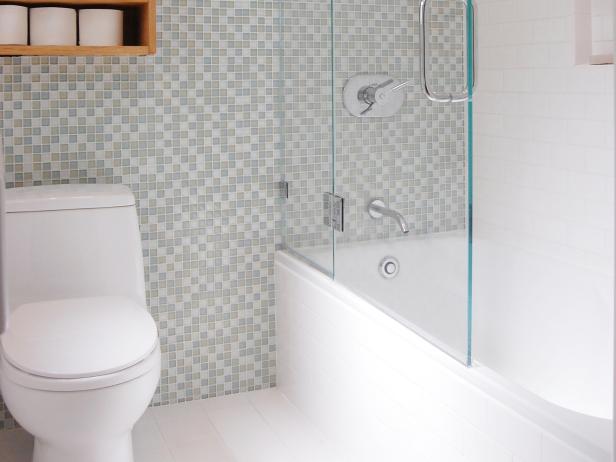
{"x":27,"y":50}
{"x":75,"y":3}
{"x":139,"y":29}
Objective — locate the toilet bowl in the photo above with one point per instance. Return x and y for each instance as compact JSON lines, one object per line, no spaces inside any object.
{"x":81,"y":359}
{"x":78,"y":374}
{"x":81,"y":420}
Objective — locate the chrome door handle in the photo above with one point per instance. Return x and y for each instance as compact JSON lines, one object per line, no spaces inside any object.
{"x":467,"y":94}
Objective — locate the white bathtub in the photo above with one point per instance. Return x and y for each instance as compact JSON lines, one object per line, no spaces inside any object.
{"x":429,"y":297}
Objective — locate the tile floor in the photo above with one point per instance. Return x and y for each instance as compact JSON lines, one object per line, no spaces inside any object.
{"x":250,"y":427}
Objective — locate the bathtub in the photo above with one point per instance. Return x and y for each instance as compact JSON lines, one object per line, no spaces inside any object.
{"x":424,"y":309}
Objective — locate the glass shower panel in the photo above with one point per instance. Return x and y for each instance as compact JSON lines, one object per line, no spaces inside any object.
{"x":412,"y":161}
{"x":306,"y":126}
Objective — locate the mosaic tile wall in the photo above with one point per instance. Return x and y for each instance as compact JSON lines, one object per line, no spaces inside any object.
{"x":193,"y":132}
{"x":415,"y":160}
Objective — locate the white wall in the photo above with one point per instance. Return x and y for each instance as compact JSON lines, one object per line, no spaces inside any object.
{"x":544,"y":135}
{"x":379,"y":392}
{"x":603,"y":26}
{"x":544,"y":180}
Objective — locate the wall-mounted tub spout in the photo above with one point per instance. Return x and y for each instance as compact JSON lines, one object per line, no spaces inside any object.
{"x":378,"y":209}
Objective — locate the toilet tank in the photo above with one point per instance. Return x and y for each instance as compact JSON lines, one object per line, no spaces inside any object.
{"x":71,"y":241}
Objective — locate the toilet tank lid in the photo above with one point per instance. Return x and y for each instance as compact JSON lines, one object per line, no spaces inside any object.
{"x":67,"y":197}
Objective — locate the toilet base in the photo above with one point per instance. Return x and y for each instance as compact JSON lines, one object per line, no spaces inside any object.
{"x":119,"y":449}
{"x":83,"y":425}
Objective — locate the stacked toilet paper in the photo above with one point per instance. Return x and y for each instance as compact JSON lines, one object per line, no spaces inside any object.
{"x":13,"y":25}
{"x":99,"y":27}
{"x":58,"y":26}
{"x":53,"y":26}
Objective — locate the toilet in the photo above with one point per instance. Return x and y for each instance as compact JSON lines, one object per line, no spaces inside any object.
{"x":80,"y":361}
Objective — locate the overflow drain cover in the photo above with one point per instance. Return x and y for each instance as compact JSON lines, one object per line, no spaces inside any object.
{"x":389,"y":267}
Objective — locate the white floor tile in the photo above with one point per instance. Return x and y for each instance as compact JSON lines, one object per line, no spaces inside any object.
{"x":253,"y":427}
{"x":146,"y":426}
{"x":151,"y":451}
{"x":174,"y":411}
{"x":248,"y":436}
{"x":209,"y":449}
{"x":225,"y":402}
{"x":183,"y":424}
{"x":291,"y":426}
{"x":148,"y":443}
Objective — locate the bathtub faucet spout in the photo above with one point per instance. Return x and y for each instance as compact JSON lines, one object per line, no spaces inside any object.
{"x":378,"y":209}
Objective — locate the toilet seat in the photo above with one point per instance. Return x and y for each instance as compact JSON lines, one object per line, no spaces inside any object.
{"x":79,"y":344}
{"x":36,"y":382}
{"x":79,"y":338}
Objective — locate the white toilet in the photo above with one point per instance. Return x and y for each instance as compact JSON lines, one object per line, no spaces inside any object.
{"x":80,"y":361}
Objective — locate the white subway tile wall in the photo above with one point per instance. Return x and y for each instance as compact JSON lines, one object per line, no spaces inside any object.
{"x":602,"y":27}
{"x":544,"y":135}
{"x":544,"y":182}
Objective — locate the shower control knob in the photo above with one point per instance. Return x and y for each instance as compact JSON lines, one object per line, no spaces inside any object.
{"x":373,"y":95}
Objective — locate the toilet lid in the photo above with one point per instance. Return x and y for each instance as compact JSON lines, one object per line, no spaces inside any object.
{"x":80,"y":337}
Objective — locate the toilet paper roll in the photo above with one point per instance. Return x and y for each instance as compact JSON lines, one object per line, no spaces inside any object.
{"x":13,"y":25}
{"x":53,"y":26}
{"x":101,"y":27}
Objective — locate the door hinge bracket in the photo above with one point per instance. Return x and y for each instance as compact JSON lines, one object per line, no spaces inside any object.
{"x":283,"y":188}
{"x":333,"y":208}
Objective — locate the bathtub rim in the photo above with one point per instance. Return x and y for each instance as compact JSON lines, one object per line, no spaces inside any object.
{"x":524,"y":403}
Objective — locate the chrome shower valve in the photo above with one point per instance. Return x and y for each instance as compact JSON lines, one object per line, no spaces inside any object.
{"x":373,"y":95}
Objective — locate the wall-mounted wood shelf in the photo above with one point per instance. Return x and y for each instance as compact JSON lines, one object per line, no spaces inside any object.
{"x":139,"y":29}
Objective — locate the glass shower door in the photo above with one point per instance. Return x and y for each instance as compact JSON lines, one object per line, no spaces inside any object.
{"x":402,"y":161}
{"x":306,"y":126}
